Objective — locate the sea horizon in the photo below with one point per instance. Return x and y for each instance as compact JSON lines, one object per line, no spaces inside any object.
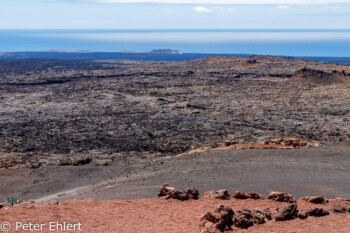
{"x":278,"y":42}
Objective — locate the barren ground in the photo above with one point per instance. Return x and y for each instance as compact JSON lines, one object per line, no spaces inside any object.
{"x":113,"y":129}
{"x":159,"y":215}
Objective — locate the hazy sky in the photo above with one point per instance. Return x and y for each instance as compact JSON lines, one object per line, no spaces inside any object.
{"x":174,"y":14}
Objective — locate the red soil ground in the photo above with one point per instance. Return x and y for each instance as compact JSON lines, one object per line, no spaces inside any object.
{"x":161,"y":216}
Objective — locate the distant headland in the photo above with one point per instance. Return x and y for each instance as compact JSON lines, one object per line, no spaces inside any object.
{"x":155,"y":51}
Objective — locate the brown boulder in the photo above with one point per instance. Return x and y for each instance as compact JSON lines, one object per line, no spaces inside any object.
{"x":302,"y":214}
{"x":192,"y":193}
{"x":317,"y":212}
{"x":243,"y":218}
{"x":258,"y":216}
{"x":250,"y":195}
{"x":268,"y":214}
{"x":170,"y":192}
{"x":286,"y":212}
{"x":281,"y":197}
{"x":340,"y":209}
{"x":219,"y":194}
{"x":316,"y":199}
{"x":218,"y":221}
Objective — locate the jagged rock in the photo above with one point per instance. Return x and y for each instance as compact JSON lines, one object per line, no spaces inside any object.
{"x":243,"y":218}
{"x":286,"y":212}
{"x":317,"y":212}
{"x":192,"y":193}
{"x":281,"y":197}
{"x":316,"y":199}
{"x":258,"y":216}
{"x":170,"y":192}
{"x":339,"y":209}
{"x":250,"y":195}
{"x":302,"y":214}
{"x":219,"y":194}
{"x":268,"y":214}
{"x":218,"y":221}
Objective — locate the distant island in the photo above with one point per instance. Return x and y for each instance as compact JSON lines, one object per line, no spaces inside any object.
{"x":155,"y":51}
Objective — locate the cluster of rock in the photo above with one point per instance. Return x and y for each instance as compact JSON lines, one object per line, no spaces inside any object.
{"x":218,"y":221}
{"x":168,"y":192}
{"x":223,"y":217}
{"x":278,"y":143}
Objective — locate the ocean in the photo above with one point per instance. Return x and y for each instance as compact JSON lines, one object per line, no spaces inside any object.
{"x":321,"y":43}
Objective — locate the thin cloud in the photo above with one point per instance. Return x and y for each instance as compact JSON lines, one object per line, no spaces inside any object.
{"x":201,"y":9}
{"x":282,"y":7}
{"x":275,"y":2}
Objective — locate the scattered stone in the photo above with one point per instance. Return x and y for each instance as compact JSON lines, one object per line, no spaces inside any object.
{"x":268,"y":214}
{"x":258,"y":216}
{"x":243,"y":218}
{"x":250,"y":195}
{"x":302,"y":214}
{"x":339,"y":209}
{"x":281,"y":197}
{"x":218,"y":221}
{"x":316,"y":199}
{"x":219,"y":194}
{"x":286,"y":212}
{"x":317,"y":212}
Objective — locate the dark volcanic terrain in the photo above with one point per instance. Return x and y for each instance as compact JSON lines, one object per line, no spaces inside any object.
{"x":117,"y":113}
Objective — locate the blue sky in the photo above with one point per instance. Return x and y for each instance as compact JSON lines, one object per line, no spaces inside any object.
{"x":174,"y":14}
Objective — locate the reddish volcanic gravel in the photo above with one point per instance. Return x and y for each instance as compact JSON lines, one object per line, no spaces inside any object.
{"x":160,"y":215}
